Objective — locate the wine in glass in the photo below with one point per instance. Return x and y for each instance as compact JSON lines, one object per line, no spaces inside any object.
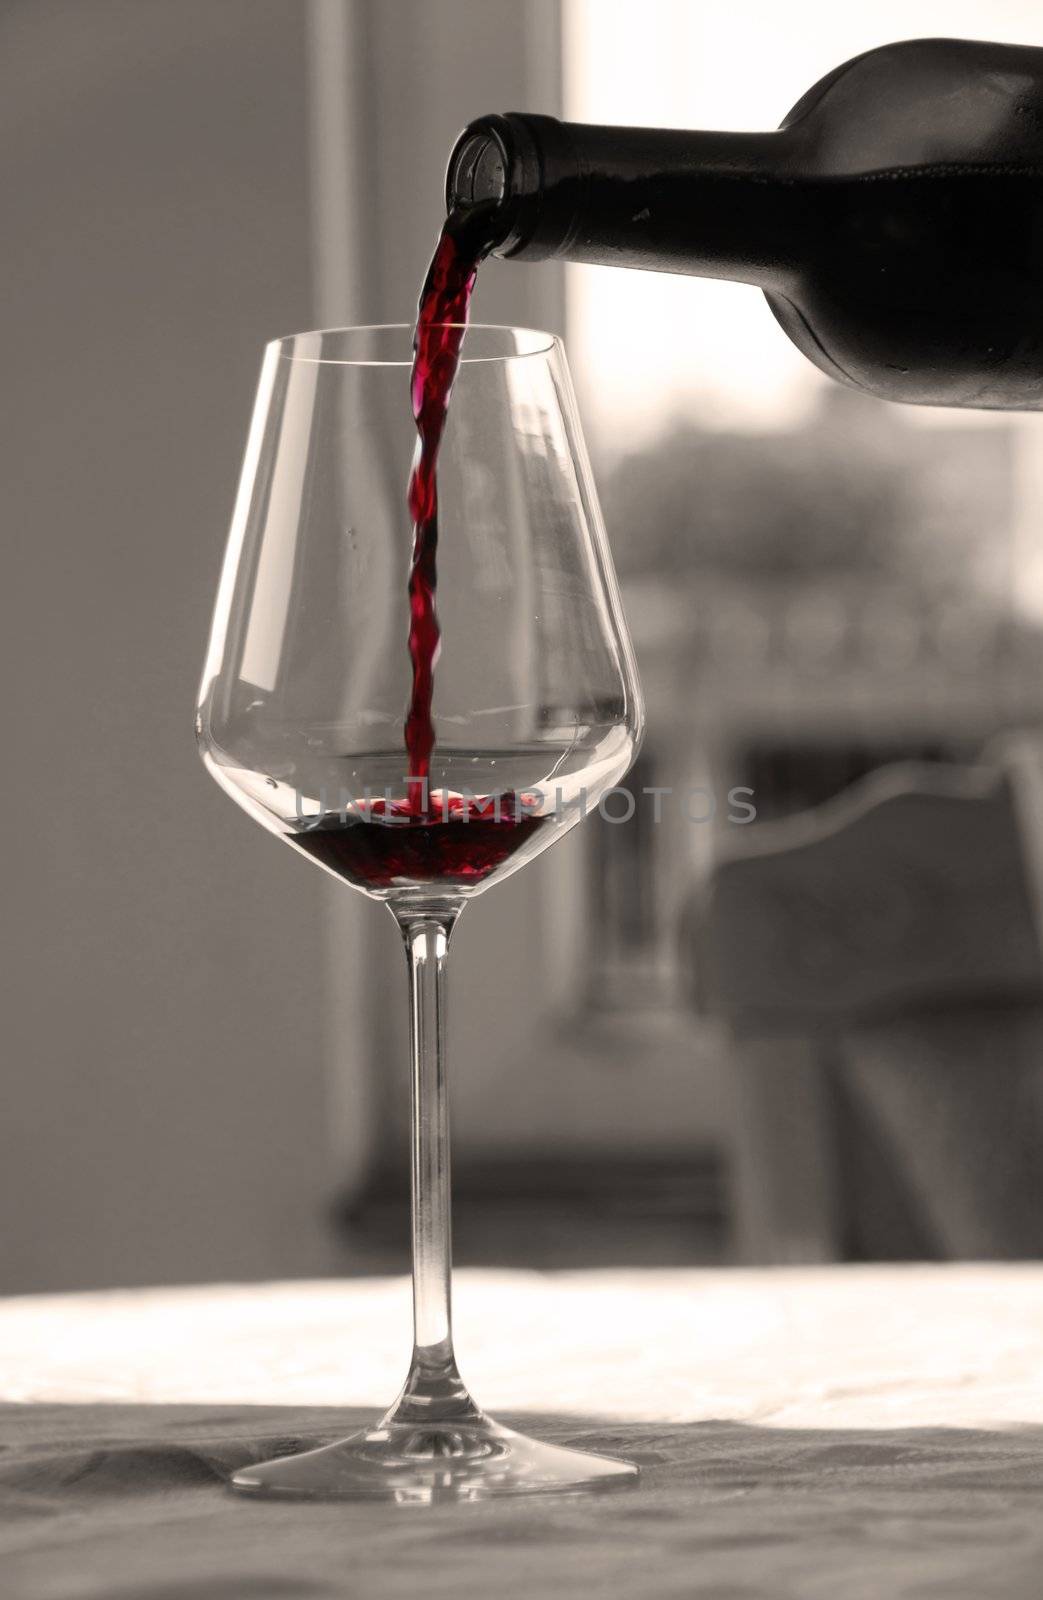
{"x":522,"y":708}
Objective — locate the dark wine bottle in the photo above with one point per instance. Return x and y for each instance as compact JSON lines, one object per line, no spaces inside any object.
{"x":894,"y":221}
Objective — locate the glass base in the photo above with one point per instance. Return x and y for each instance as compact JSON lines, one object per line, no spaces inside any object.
{"x":428,"y":1463}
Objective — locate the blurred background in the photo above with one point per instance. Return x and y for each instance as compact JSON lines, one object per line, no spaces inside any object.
{"x":817,"y":1035}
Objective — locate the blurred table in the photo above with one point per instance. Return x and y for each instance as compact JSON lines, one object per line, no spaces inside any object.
{"x":866,"y":1432}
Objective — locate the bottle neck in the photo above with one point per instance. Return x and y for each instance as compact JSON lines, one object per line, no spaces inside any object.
{"x":712,"y":204}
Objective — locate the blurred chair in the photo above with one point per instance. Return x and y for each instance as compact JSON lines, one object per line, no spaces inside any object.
{"x":878,"y":963}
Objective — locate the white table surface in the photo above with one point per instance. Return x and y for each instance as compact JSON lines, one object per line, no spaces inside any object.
{"x":864,"y":1431}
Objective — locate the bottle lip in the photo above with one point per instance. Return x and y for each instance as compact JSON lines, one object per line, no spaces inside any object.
{"x":390,"y":344}
{"x":495,"y":165}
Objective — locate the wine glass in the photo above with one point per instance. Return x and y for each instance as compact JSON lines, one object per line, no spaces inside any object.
{"x":536,"y":714}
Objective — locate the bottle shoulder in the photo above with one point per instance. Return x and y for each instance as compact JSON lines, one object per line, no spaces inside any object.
{"x":923,"y":102}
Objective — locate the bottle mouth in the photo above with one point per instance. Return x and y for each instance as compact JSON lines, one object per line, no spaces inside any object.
{"x":477,"y":171}
{"x":495,"y":171}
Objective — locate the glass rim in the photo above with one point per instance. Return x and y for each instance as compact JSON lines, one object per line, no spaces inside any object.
{"x":284,"y":346}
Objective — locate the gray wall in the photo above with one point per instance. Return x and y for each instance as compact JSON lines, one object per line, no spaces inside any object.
{"x":201,"y":1037}
{"x":163,"y":1051}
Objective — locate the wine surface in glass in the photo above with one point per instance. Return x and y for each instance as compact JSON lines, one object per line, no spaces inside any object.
{"x":486,"y":813}
{"x":467,"y":845}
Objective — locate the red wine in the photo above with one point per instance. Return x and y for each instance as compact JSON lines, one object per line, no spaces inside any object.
{"x":457,"y":842}
{"x":445,"y":301}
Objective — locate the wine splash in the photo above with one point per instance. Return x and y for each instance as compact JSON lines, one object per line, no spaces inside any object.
{"x":457,"y":842}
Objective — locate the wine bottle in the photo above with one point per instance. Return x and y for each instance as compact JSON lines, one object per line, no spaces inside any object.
{"x":894,"y":221}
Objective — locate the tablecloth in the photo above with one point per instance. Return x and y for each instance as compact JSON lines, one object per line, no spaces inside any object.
{"x":865,"y":1432}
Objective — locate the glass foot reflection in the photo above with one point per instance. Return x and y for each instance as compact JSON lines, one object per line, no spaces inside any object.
{"x":433,"y":1462}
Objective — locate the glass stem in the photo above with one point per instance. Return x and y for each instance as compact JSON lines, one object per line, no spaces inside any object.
{"x":434,"y":1390}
